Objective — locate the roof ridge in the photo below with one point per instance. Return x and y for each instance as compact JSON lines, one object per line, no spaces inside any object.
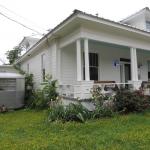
{"x":145,"y":8}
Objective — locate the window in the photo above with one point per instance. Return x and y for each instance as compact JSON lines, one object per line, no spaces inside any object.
{"x":28,"y":68}
{"x":148,"y":25}
{"x":148,"y":70}
{"x":93,"y":66}
{"x":43,"y":66}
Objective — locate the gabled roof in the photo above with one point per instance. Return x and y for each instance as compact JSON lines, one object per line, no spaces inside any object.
{"x":77,"y":13}
{"x":28,"y":39}
{"x":142,"y":11}
{"x":113,"y":22}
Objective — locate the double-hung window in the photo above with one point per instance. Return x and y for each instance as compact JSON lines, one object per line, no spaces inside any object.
{"x":148,"y":70}
{"x":28,"y":68}
{"x":93,"y":66}
{"x":43,"y":66}
{"x":148,"y":25}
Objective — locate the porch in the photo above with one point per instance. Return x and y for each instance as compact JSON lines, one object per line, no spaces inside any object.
{"x":86,"y":64}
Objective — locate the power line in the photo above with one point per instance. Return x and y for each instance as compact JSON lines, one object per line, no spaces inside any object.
{"x":20,"y":23}
{"x":2,"y":6}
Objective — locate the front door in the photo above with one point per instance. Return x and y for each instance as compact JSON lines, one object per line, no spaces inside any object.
{"x":127,"y":72}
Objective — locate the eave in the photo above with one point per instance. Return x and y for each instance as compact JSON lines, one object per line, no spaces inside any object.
{"x":76,"y":16}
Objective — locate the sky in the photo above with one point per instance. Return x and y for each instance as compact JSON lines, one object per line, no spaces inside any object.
{"x":42,"y":15}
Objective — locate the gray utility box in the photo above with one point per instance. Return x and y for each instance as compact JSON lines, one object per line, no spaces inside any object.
{"x":12,"y":89}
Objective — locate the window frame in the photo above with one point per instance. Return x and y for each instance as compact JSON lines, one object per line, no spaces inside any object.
{"x":43,"y":68}
{"x":91,"y":65}
{"x":148,"y":25}
{"x":28,"y":68}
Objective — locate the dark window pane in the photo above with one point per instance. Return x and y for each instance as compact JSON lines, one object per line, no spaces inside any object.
{"x":90,"y":59}
{"x":93,"y":73}
{"x":43,"y":74}
{"x":148,"y":75}
{"x":96,"y":60}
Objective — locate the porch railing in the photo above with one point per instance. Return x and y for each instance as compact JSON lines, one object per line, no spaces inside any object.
{"x":83,"y":90}
{"x":66,"y":90}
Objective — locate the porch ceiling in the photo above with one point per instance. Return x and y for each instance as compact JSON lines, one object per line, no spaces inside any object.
{"x":108,"y":45}
{"x":93,"y":44}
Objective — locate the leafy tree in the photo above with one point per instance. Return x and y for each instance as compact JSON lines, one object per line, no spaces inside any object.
{"x":13,"y":54}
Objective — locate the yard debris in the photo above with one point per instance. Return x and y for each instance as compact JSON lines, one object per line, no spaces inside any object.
{"x":3,"y":109}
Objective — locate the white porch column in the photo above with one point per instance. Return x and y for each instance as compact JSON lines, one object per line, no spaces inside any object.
{"x":59,"y":65}
{"x":134,"y":66}
{"x":134,"y":70}
{"x":86,"y":58}
{"x":78,"y":58}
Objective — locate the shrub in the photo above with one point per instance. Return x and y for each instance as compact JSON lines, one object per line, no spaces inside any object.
{"x":127,"y":101}
{"x":100,"y":98}
{"x":97,"y":96}
{"x":56,"y":113}
{"x":76,"y":112}
{"x":72,"y":112}
{"x":49,"y":89}
{"x":43,"y":96}
{"x":104,"y":105}
{"x":28,"y":88}
{"x":38,"y":100}
{"x":101,"y":112}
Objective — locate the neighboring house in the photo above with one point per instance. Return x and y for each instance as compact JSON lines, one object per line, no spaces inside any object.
{"x":85,"y":50}
{"x":27,"y":43}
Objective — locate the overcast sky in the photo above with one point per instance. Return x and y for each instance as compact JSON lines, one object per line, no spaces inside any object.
{"x":46,"y":14}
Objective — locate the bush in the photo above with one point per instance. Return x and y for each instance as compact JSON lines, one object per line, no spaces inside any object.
{"x":101,"y":112}
{"x":127,"y":101}
{"x":28,"y":88}
{"x":97,"y":96}
{"x":76,"y":112}
{"x":56,"y":113}
{"x":49,"y":89}
{"x":100,"y":98}
{"x":43,"y":96}
{"x":72,"y":112}
{"x":104,"y":105}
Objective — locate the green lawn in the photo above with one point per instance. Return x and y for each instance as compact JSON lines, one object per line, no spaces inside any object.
{"x":27,"y":130}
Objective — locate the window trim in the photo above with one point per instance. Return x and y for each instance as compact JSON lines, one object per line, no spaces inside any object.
{"x":90,"y":66}
{"x":28,"y":68}
{"x":148,"y":25}
{"x":43,"y":69}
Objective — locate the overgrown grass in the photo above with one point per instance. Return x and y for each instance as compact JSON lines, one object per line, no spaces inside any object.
{"x":27,"y":130}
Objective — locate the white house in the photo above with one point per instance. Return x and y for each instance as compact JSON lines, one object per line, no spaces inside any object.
{"x":84,"y":50}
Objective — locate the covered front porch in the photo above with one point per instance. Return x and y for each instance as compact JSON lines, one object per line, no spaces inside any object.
{"x":87,"y":63}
